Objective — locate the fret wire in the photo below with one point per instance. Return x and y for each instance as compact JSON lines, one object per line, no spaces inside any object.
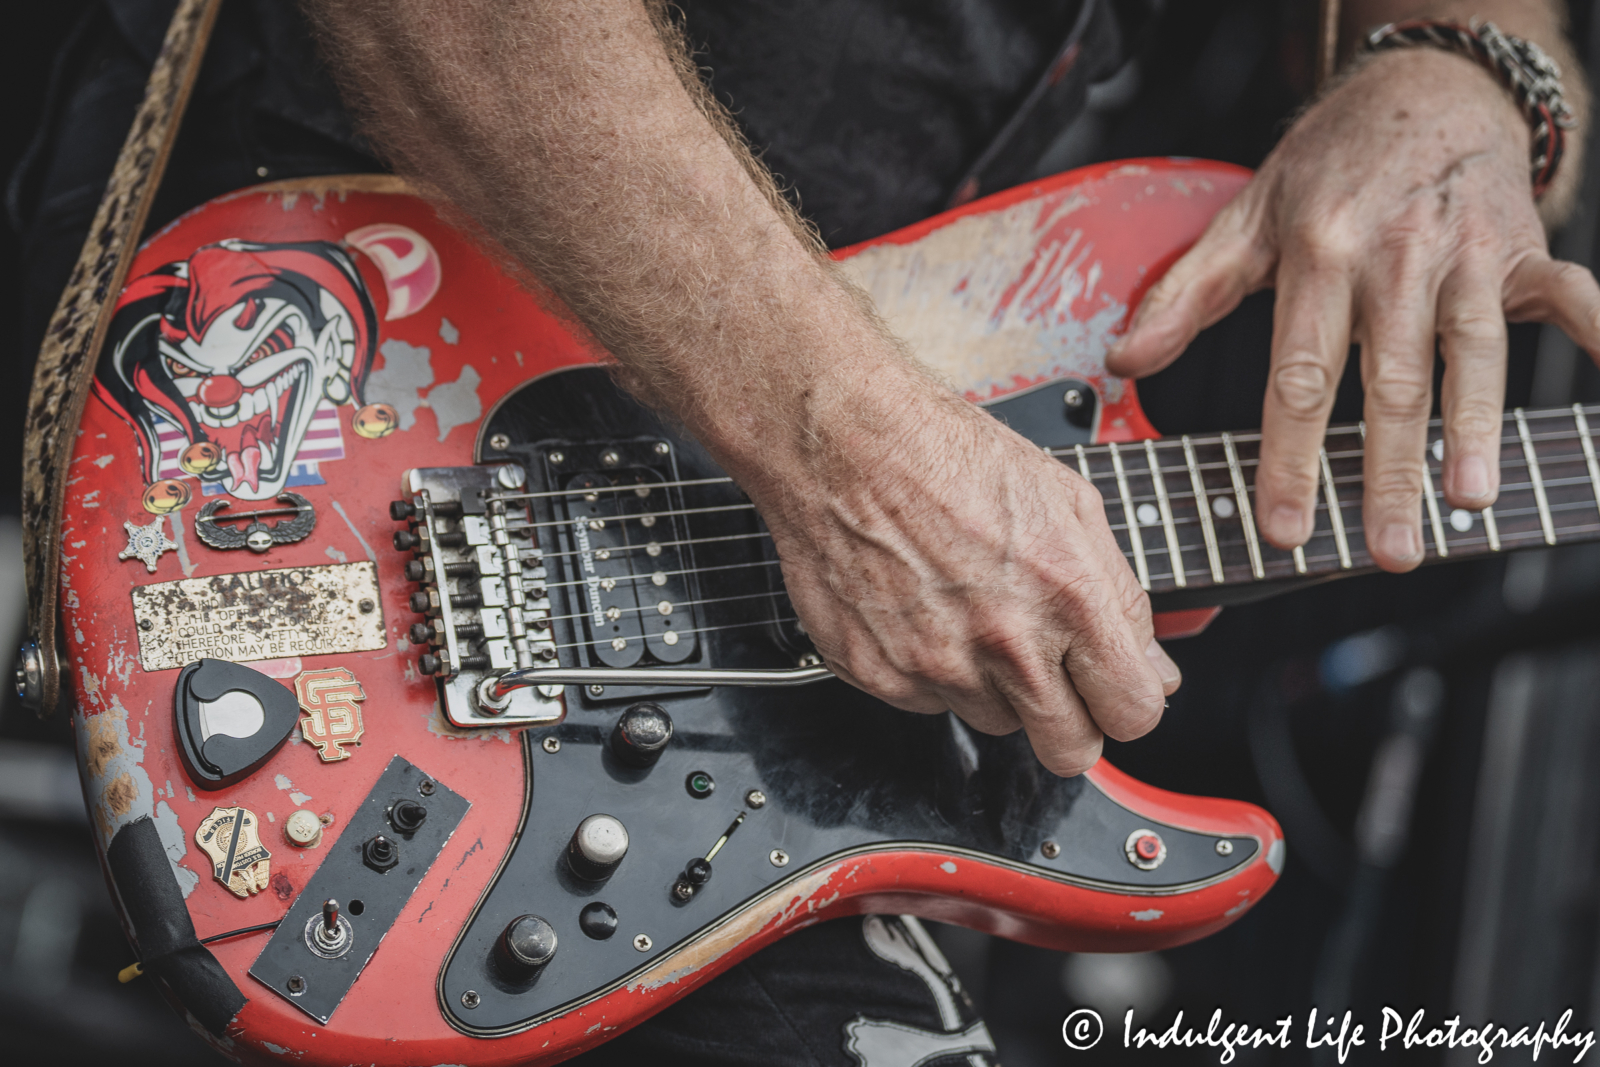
{"x":1582,"y":423}
{"x":1538,"y":480}
{"x":1134,"y":537}
{"x":1299,"y":555}
{"x":1491,"y":528}
{"x":1083,"y":464}
{"x":1242,"y":498}
{"x":1511,"y":462}
{"x":1335,"y":517}
{"x":1433,"y":510}
{"x":1174,"y":551}
{"x":1203,"y":508}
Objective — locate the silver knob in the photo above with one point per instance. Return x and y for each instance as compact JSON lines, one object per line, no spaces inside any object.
{"x":597,"y":846}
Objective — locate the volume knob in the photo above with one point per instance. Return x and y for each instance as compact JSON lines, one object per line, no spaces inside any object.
{"x":597,"y":846}
{"x":641,"y":735}
{"x":524,"y":947}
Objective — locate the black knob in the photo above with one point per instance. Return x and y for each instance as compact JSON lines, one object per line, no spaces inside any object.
{"x":405,"y":540}
{"x":597,"y":846}
{"x":420,"y":601}
{"x":598,"y":920}
{"x":401,"y":510}
{"x":407,"y":816}
{"x":698,"y":871}
{"x":641,"y":735}
{"x":524,"y":947}
{"x":415,"y":571}
{"x":422,"y":633}
{"x":428,"y":663}
{"x":380,"y":854}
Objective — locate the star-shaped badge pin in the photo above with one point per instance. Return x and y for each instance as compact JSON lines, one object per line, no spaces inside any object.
{"x":146,"y":543}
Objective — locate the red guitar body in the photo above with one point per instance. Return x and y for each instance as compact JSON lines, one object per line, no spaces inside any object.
{"x":322,"y":339}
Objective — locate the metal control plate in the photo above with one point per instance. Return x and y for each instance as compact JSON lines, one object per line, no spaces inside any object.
{"x":369,"y":899}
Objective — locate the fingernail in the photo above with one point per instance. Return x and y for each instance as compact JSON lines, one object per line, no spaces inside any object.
{"x":1165,"y":668}
{"x":1288,"y":524}
{"x":1399,"y":542}
{"x":1472,"y":477}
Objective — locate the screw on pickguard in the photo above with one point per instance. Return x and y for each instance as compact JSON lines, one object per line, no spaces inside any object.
{"x":258,"y":536}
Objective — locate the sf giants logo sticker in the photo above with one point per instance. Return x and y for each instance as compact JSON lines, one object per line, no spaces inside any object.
{"x":331,"y":698}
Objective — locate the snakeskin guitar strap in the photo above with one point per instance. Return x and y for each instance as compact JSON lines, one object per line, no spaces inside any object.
{"x":72,"y":343}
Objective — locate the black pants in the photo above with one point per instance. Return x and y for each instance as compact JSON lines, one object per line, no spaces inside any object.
{"x":854,"y":992}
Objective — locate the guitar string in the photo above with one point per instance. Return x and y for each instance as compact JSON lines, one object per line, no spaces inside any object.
{"x":1202,"y":440}
{"x":1502,"y":511}
{"x":1510,"y":465}
{"x":676,"y":604}
{"x":1463,"y":542}
{"x":630,"y":549}
{"x":696,"y":630}
{"x":773,"y":595}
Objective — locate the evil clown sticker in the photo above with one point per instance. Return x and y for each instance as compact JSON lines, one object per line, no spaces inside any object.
{"x":231,"y":366}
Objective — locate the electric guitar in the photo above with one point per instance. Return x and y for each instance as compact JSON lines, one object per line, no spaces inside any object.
{"x":437,"y":702}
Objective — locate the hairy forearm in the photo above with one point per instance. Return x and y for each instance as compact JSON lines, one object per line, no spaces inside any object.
{"x":1540,"y":21}
{"x":575,"y":136}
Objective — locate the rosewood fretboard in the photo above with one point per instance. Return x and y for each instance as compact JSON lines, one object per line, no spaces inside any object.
{"x":1181,"y":551}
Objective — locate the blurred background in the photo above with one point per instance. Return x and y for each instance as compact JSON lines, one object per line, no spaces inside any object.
{"x":1428,"y":741}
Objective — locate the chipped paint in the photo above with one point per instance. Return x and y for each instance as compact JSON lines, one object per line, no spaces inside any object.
{"x":456,"y":403}
{"x":948,"y":867}
{"x":176,"y":842}
{"x":282,"y":782}
{"x":335,"y":555}
{"x":1149,"y":915}
{"x":407,"y":370}
{"x":776,"y":910}
{"x":188,"y":566}
{"x":448,"y":332}
{"x":1000,"y":299}
{"x":118,"y":788}
{"x":373,"y":556}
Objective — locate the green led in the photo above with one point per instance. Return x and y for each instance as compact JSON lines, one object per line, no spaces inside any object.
{"x":700,"y":785}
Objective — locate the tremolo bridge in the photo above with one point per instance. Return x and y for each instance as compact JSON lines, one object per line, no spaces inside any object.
{"x":574,"y":569}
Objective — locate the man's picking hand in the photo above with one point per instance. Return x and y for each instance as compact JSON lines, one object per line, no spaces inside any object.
{"x":941,"y":561}
{"x":1397,"y":210}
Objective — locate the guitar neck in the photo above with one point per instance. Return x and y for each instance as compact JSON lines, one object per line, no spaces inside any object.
{"x":1183,"y":509}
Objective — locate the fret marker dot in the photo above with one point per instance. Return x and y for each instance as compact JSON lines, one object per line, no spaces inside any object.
{"x":1147,"y":514}
{"x":1222,"y":507}
{"x":1438,"y":452}
{"x":1460,"y":521}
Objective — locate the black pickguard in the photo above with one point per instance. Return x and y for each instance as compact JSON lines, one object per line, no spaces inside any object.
{"x":841,"y":772}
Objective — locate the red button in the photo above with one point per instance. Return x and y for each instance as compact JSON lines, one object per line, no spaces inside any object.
{"x":1148,"y":847}
{"x":220,"y":391}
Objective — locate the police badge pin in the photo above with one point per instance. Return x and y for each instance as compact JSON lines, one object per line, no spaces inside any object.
{"x":232,"y":838}
{"x":146,"y":543}
{"x":331,"y":698}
